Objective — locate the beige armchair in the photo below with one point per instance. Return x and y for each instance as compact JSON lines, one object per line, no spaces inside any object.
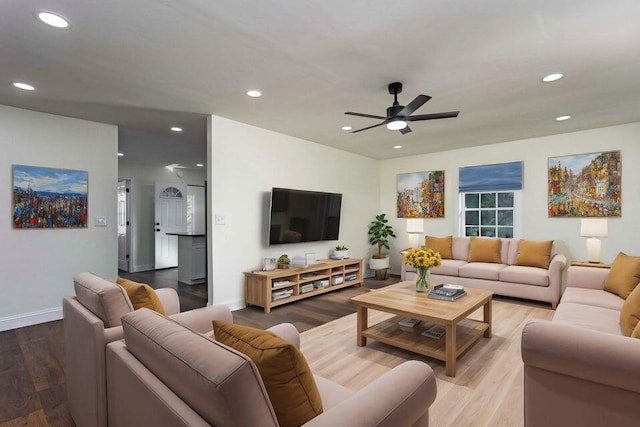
{"x":91,"y":321}
{"x":165,"y":374}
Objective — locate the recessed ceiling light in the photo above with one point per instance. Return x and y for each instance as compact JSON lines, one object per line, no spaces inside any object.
{"x":254,"y":93}
{"x":397,"y":147}
{"x":23,"y":86}
{"x":200,"y":165}
{"x":552,"y":77}
{"x":346,"y":128}
{"x":53,"y":19}
{"x":562,"y":118}
{"x":176,"y":129}
{"x":120,"y":154}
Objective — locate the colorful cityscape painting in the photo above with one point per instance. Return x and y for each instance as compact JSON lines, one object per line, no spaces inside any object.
{"x":421,"y":195}
{"x":585,"y":185}
{"x":49,"y":198}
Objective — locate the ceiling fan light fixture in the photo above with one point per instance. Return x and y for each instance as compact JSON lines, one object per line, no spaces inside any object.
{"x":396,"y":124}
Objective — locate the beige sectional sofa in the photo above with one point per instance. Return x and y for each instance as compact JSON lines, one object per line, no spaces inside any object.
{"x":503,"y":278}
{"x":165,"y":374}
{"x":579,"y":368}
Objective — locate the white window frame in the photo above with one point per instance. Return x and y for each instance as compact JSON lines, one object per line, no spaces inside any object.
{"x":517,"y":211}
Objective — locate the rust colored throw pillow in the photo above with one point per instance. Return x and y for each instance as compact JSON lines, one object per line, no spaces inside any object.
{"x":141,"y":295}
{"x":440,"y":244}
{"x":630,"y":313}
{"x":534,"y":253}
{"x":284,"y":370}
{"x":624,"y":275}
{"x":485,"y":249}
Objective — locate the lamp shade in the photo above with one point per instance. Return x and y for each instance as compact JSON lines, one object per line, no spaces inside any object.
{"x":594,"y":227}
{"x":414,"y":225}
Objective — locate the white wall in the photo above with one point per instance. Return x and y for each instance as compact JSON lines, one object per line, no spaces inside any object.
{"x":624,"y":231}
{"x":37,"y":265}
{"x":245,"y":163}
{"x":143,"y":178}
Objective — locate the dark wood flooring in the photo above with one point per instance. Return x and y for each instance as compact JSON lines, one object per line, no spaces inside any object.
{"x":32,"y":389}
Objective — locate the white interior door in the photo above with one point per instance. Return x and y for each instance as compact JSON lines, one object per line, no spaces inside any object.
{"x":170,"y":217}
{"x":123,"y":226}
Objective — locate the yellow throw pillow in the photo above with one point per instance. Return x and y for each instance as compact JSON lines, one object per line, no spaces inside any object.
{"x":483,"y":249}
{"x":630,"y":313}
{"x":534,"y":253}
{"x":636,"y":331}
{"x":284,"y":370}
{"x":624,"y":275}
{"x":141,"y":295}
{"x":440,"y":244}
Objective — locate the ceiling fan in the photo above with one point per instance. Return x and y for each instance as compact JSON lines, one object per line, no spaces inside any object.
{"x":398,"y":115}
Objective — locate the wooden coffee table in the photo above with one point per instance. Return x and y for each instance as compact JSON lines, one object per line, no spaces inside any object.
{"x":403,"y":300}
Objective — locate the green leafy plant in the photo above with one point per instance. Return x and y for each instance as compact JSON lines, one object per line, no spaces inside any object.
{"x":379,"y":234}
{"x":284,"y":260}
{"x":341,"y":248}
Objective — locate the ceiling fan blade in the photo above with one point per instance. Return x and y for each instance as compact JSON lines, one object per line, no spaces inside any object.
{"x":370,"y":127}
{"x":414,"y":105}
{"x":365,"y":115}
{"x":405,"y":130}
{"x":433,"y":116}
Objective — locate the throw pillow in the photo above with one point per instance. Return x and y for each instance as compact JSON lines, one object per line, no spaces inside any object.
{"x":624,"y":275}
{"x":484,"y":249}
{"x":440,"y":244}
{"x":284,"y":370}
{"x":636,"y":331}
{"x":534,"y":253}
{"x":141,"y":295}
{"x":630,"y":313}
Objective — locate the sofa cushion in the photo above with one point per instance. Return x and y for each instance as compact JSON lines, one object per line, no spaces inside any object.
{"x":481,"y":270}
{"x":460,"y":248}
{"x":105,"y":299}
{"x":594,"y":297}
{"x":630,"y":313}
{"x":484,"y":249}
{"x":525,"y":275}
{"x":534,"y":253}
{"x":440,"y":244}
{"x":221,"y":384}
{"x":624,"y":275}
{"x":141,"y":295}
{"x":449,"y":267}
{"x":589,"y":317}
{"x":284,"y":371}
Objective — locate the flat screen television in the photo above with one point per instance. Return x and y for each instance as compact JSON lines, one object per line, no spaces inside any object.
{"x":303,"y":216}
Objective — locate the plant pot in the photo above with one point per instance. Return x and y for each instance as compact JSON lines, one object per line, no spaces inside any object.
{"x":283,"y":266}
{"x":379,"y":263}
{"x":340,"y":254}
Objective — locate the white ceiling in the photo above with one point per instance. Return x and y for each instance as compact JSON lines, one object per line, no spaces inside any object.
{"x":146,"y":65}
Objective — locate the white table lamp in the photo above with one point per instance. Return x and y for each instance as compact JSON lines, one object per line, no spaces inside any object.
{"x":414,"y":227}
{"x":593,"y":228}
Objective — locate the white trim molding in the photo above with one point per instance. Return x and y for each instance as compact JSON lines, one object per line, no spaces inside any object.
{"x":28,"y":319}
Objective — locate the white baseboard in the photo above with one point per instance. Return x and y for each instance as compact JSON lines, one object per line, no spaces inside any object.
{"x":28,"y":319}
{"x":233,"y":304}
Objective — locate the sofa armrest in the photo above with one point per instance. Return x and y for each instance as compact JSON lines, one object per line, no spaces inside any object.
{"x":593,"y":356}
{"x":586,"y":277}
{"x":169,"y":299}
{"x":401,"y":397}
{"x":201,"y":319}
{"x":287,"y":332}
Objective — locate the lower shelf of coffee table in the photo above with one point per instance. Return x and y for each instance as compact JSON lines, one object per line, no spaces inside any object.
{"x":389,"y":332}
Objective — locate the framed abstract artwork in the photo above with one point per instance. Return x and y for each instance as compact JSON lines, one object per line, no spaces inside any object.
{"x":49,"y":198}
{"x":585,"y":185}
{"x":420,"y":194}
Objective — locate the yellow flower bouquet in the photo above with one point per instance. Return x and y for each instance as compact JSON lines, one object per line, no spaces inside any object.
{"x":423,"y":259}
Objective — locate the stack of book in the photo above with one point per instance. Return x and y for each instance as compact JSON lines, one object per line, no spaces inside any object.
{"x":306,"y":288}
{"x":284,"y":293}
{"x":350,"y":277}
{"x":447,"y":292}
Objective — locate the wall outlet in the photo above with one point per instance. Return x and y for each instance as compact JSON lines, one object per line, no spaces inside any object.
{"x":220,"y":219}
{"x":100,"y":221}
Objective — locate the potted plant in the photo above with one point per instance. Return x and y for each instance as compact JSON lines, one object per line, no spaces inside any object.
{"x":283,"y":261}
{"x":379,"y":234}
{"x":341,"y":252}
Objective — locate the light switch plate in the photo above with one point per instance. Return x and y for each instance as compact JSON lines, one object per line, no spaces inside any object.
{"x":100,"y":221}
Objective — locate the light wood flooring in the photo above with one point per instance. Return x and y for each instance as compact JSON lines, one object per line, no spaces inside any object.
{"x":32,"y":390}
